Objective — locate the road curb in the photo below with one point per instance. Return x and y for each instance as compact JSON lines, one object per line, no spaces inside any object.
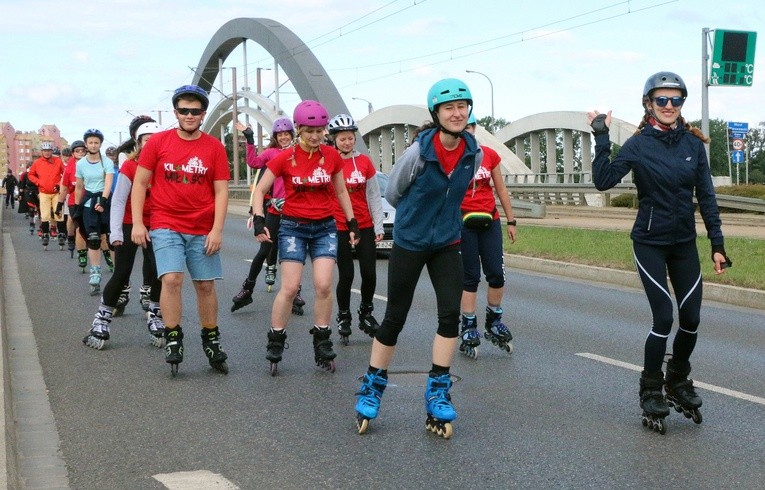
{"x":749,"y":298}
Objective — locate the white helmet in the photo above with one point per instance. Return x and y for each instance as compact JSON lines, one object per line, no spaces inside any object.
{"x":146,"y":128}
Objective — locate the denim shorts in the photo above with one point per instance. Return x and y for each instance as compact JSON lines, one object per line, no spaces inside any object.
{"x":300,"y":238}
{"x":173,"y":250}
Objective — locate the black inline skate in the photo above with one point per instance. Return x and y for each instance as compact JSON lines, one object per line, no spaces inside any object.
{"x":277,"y":342}
{"x":156,"y":327}
{"x":496,"y":331}
{"x":652,"y":401}
{"x":123,"y":300}
{"x":70,"y":245}
{"x":174,"y":348}
{"x":368,"y":398}
{"x":367,"y":322}
{"x":45,"y":241}
{"x":244,"y":296}
{"x":438,"y":405}
{"x":61,"y":240}
{"x":471,"y":339}
{"x":344,"y":321}
{"x":99,"y":330}
{"x":298,"y":302}
{"x":108,"y":260}
{"x":270,"y":278}
{"x":82,"y":260}
{"x":145,"y":293}
{"x":322,"y":348}
{"x":681,"y":395}
{"x":213,"y":350}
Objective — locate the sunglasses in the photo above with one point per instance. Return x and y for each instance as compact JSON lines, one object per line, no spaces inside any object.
{"x":676,"y":101}
{"x":185,"y":111}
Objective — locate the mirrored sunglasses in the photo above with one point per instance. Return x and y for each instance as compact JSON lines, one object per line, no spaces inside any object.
{"x":676,"y":101}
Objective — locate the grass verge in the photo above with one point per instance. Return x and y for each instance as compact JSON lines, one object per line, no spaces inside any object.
{"x":613,"y":249}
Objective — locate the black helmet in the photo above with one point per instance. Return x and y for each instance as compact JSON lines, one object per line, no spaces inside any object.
{"x":137,"y":122}
{"x":77,"y":144}
{"x":194,"y":91}
{"x":664,"y":79}
{"x":93,"y":132}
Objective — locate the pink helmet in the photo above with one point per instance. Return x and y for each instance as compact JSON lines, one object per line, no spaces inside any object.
{"x":310,"y":113}
{"x":283,"y":124}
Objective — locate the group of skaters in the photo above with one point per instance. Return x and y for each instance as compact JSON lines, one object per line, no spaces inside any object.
{"x":316,"y":196}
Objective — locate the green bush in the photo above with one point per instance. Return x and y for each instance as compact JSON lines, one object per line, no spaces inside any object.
{"x":624,"y":201}
{"x":756,"y":191}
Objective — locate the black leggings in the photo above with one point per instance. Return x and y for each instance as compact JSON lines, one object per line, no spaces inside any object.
{"x":267,"y":251}
{"x":124,"y":258}
{"x":681,"y":262}
{"x":404,"y":268}
{"x":366,"y":252}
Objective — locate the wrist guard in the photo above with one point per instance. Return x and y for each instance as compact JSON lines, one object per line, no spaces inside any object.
{"x":599,"y":125}
{"x":258,"y":225}
{"x":353,"y":226}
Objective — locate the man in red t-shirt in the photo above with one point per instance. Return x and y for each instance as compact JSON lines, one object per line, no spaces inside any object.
{"x":188,"y":171}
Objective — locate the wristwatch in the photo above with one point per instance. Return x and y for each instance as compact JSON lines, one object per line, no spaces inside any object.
{"x":512,"y":222}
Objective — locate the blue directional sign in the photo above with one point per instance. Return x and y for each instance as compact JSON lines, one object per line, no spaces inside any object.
{"x":737,"y":156}
{"x":738,"y":130}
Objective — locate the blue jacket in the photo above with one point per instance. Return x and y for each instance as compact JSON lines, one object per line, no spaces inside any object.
{"x":427,"y":201}
{"x":668,"y":167}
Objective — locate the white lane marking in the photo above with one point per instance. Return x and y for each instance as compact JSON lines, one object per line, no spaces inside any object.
{"x":376,"y":296}
{"x":194,"y":480}
{"x":698,"y":384}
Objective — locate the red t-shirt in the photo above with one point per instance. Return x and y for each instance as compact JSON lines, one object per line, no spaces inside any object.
{"x":128,"y":171}
{"x":448,"y":158}
{"x":308,"y":181}
{"x":481,"y":196}
{"x":356,"y":176}
{"x":182,"y":183}
{"x":69,"y":180}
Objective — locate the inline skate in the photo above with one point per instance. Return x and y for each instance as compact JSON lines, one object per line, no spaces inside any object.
{"x":652,"y":401}
{"x":122,"y":300}
{"x":45,"y":240}
{"x":270,"y":278}
{"x":681,"y":395}
{"x":82,"y":260}
{"x":369,"y":397}
{"x":70,"y":246}
{"x":438,"y":405}
{"x":243,"y":297}
{"x":277,"y":342}
{"x":145,"y":293}
{"x":214,"y":352}
{"x":367,"y":322}
{"x":298,"y":302}
{"x":322,"y":348}
{"x":496,"y":331}
{"x":344,"y":321}
{"x":95,"y":280}
{"x":61,"y":240}
{"x":108,"y":260}
{"x":99,"y":330}
{"x":471,"y":339}
{"x":156,"y":328}
{"x":174,"y":348}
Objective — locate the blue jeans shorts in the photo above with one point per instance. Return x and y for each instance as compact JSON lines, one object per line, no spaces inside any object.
{"x":300,"y":238}
{"x":173,"y":250}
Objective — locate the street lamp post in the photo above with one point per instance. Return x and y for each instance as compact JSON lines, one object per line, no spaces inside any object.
{"x":492,"y":94}
{"x":369,"y":104}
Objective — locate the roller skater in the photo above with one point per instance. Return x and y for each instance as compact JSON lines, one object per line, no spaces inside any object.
{"x":369,"y":397}
{"x":123,"y":300}
{"x":298,"y":303}
{"x":344,"y":321}
{"x":45,"y":173}
{"x":367,"y":322}
{"x":174,"y":348}
{"x":652,"y":401}
{"x":438,"y":405}
{"x":471,"y":339}
{"x":244,"y":296}
{"x":681,"y":395}
{"x":213,"y":350}
{"x":145,"y":293}
{"x":270,"y":278}
{"x":45,"y":240}
{"x":322,"y":348}
{"x":156,"y":327}
{"x":99,"y":331}
{"x":82,"y":260}
{"x":275,"y":348}
{"x":496,"y":331}
{"x":95,"y":280}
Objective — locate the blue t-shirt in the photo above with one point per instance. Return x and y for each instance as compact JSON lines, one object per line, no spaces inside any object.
{"x":93,"y":175}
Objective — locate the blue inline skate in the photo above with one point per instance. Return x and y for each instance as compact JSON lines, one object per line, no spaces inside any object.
{"x":368,"y":401}
{"x":438,"y":405}
{"x":496,"y":331}
{"x":471,"y":339}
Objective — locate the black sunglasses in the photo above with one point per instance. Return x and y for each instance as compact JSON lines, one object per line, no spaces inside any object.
{"x":185,"y":111}
{"x":676,"y":101}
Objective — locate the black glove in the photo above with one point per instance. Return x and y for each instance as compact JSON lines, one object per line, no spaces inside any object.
{"x":59,"y":208}
{"x":719,"y":249}
{"x":56,"y":188}
{"x":599,"y":125}
{"x":258,"y":225}
{"x":353,"y":226}
{"x":249,"y":135}
{"x":102,"y":201}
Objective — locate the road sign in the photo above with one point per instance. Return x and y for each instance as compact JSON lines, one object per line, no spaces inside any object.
{"x":737,"y":144}
{"x":733,"y":58}
{"x":742,"y":127}
{"x":737,"y":156}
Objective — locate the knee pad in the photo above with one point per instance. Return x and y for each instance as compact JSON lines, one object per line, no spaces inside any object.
{"x":94,"y":241}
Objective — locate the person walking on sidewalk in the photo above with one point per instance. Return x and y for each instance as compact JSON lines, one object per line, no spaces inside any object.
{"x":668,"y":161}
{"x":188,"y":172}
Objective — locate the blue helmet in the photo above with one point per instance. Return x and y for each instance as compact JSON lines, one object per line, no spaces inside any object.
{"x":472,"y":120}
{"x":446,"y":90}
{"x":93,"y":132}
{"x":193,"y":90}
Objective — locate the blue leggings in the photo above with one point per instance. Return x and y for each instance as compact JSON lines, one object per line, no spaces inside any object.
{"x":483,"y":249}
{"x":681,"y":262}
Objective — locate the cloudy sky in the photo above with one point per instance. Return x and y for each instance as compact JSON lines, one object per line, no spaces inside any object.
{"x":96,"y":64}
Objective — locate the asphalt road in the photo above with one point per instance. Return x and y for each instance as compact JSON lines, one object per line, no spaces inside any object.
{"x":561,"y":411}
